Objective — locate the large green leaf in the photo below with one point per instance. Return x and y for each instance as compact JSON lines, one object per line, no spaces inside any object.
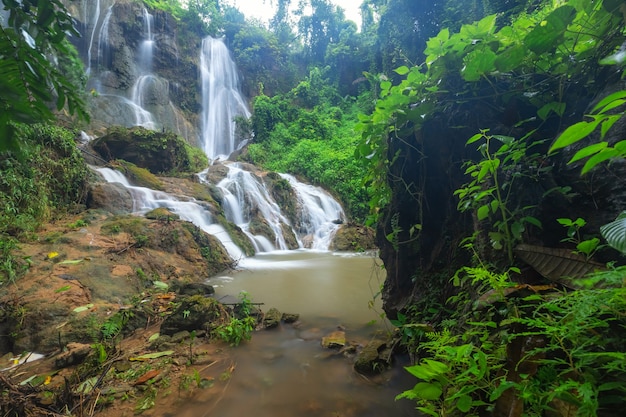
{"x":574,"y":133}
{"x":428,"y":391}
{"x":544,"y":36}
{"x":478,"y":63}
{"x":615,"y":232}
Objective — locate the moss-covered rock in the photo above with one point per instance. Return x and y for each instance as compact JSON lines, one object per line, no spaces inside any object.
{"x":260,"y":227}
{"x":353,"y":237}
{"x":159,"y":152}
{"x":283,"y":194}
{"x":161,"y":213}
{"x":194,"y":313}
{"x":137,"y":175}
{"x":373,"y":359}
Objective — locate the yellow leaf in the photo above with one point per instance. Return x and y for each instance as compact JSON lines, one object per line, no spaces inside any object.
{"x":53,"y":255}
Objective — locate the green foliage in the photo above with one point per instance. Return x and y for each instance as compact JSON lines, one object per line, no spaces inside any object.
{"x":550,"y":350}
{"x":48,"y":176}
{"x":31,"y":81}
{"x":533,"y":60}
{"x":489,"y":192}
{"x":238,"y":329}
{"x":615,"y":232}
{"x":10,"y":265}
{"x":582,"y":360}
{"x":303,"y":134}
{"x":586,"y":247}
{"x":455,"y":377}
{"x":602,"y":115}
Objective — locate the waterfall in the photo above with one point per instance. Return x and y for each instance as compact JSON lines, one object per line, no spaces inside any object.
{"x":146,"y":47}
{"x":95,"y":19}
{"x":245,"y":196}
{"x":221,"y":100}
{"x":142,"y":116}
{"x":145,"y":80}
{"x":146,"y":199}
{"x":103,"y":36}
{"x":320,"y":214}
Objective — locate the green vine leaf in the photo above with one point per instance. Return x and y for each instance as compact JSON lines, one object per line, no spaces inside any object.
{"x":606,"y":101}
{"x":574,"y":133}
{"x":478,"y":63}
{"x":545,"y":36}
{"x":588,"y":151}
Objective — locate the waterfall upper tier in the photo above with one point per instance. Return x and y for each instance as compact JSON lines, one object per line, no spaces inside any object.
{"x":222,"y":101}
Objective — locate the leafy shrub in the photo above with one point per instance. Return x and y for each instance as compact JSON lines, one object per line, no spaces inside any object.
{"x":49,"y":175}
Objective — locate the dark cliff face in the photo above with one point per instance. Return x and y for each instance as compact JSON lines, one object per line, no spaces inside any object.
{"x":424,"y":175}
{"x":120,"y":75}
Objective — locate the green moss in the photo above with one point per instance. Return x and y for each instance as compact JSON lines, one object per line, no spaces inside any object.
{"x":158,"y":152}
{"x":237,"y":235}
{"x":138,"y":176}
{"x":161,"y":213}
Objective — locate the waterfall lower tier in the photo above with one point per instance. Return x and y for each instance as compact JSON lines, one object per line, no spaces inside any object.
{"x":310,"y":219}
{"x":249,"y":202}
{"x":145,"y":199}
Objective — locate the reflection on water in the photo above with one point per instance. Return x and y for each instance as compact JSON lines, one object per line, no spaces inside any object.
{"x":285,"y":372}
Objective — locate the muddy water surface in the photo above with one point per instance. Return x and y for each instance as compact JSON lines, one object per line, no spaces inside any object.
{"x":285,"y":372}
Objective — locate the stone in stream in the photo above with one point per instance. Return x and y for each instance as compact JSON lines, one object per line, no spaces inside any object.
{"x":336,"y":339}
{"x":374,"y":358}
{"x":272,"y":318}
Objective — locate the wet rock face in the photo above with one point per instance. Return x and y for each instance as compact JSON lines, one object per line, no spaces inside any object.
{"x":110,"y":54}
{"x":374,"y":358}
{"x":112,"y":197}
{"x":353,"y":237}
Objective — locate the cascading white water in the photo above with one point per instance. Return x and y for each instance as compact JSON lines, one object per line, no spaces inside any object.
{"x":244,"y":195}
{"x":146,"y":47}
{"x":95,"y":19}
{"x":137,"y":94}
{"x":145,"y":79}
{"x":221,"y":100}
{"x":146,"y":199}
{"x":320,"y":214}
{"x":103,"y":36}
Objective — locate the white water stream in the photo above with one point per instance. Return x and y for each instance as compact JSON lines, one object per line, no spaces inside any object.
{"x":221,"y":100}
{"x":146,"y":199}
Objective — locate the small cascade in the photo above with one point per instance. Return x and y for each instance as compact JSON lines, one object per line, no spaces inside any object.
{"x":103,"y":37}
{"x":320,"y":214}
{"x":221,"y":100}
{"x":142,"y":116}
{"x":145,"y":78}
{"x":94,"y":20}
{"x":146,"y":199}
{"x":244,"y":197}
{"x":146,"y":48}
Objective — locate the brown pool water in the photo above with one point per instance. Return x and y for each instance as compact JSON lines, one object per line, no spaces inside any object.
{"x":286,"y":372}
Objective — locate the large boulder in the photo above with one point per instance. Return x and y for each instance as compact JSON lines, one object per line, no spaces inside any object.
{"x":112,"y":197}
{"x":159,"y":152}
{"x":353,"y":237}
